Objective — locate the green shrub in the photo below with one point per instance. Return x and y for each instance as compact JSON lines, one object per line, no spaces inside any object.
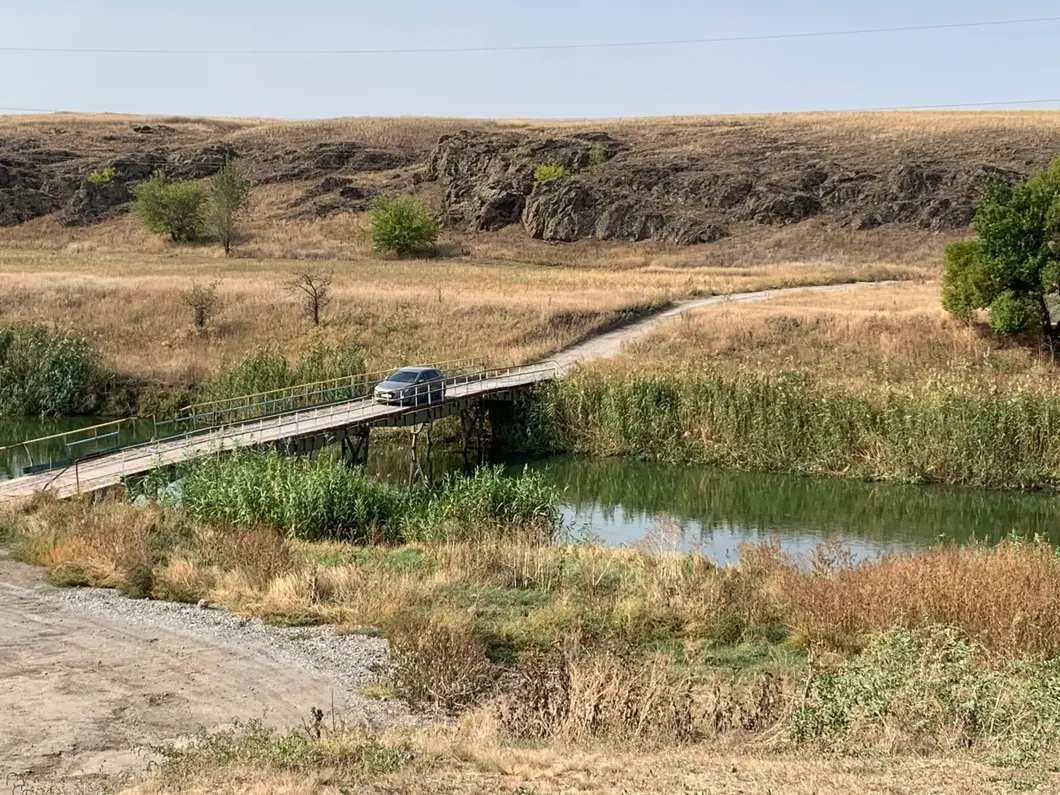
{"x":67,"y":575}
{"x":549,"y":171}
{"x":932,"y":689}
{"x":1011,"y":313}
{"x":139,"y":582}
{"x":597,"y":155}
{"x":47,"y":372}
{"x":104,"y":177}
{"x":229,"y":198}
{"x":171,"y":208}
{"x":401,"y":226}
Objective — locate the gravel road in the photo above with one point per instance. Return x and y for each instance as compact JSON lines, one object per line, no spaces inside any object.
{"x":89,"y":677}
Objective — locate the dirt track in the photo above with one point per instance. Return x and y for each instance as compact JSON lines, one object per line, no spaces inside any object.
{"x":88,"y":678}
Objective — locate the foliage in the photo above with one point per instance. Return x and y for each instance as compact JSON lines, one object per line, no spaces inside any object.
{"x":169,"y":207}
{"x":549,"y":171}
{"x":266,"y":370}
{"x":228,"y":199}
{"x":931,"y":689}
{"x":103,"y":177}
{"x":401,"y":226}
{"x":318,"y":746}
{"x":47,"y":372}
{"x":786,"y":423}
{"x":597,"y":155}
{"x":315,"y":289}
{"x":322,"y":498}
{"x":1013,"y":267}
{"x":203,"y":302}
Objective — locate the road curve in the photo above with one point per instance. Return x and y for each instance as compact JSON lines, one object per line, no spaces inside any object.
{"x":609,"y":344}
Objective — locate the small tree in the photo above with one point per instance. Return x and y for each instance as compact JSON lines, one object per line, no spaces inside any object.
{"x":1012,"y":269}
{"x":401,"y":226}
{"x":203,"y":302}
{"x":168,"y":207}
{"x":229,"y":198}
{"x":315,"y":289}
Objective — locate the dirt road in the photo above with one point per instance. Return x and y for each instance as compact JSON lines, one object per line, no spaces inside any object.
{"x":87,"y":678}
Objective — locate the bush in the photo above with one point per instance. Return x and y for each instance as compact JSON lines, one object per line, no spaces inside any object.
{"x":170,"y":208}
{"x":931,"y":690}
{"x":401,"y":226}
{"x":104,"y":177}
{"x":435,"y":663}
{"x":229,"y":198}
{"x":550,"y":171}
{"x":597,"y":155}
{"x":47,"y":372}
{"x":203,"y":302}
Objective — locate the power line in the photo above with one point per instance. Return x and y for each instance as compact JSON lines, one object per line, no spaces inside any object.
{"x":540,"y":47}
{"x":895,"y":108}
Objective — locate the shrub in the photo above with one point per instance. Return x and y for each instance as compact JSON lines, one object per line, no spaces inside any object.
{"x":47,"y":372}
{"x":435,"y":663}
{"x":931,"y":690}
{"x":549,"y":171}
{"x":171,"y":208}
{"x":401,"y":226}
{"x":597,"y":155}
{"x":104,"y":177}
{"x":203,"y":302}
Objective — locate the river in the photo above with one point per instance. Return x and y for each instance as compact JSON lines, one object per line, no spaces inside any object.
{"x":700,"y":508}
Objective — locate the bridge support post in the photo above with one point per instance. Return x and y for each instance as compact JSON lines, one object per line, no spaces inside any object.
{"x":355,"y":446}
{"x":421,"y":464}
{"x":473,"y":434}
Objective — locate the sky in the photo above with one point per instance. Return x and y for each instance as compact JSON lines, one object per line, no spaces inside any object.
{"x":942,"y":67}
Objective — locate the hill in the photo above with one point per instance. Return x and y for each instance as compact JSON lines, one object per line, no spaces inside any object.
{"x":672,"y":180}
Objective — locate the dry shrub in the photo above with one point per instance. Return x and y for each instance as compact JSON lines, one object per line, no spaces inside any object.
{"x":574,"y":696}
{"x":436,"y":663}
{"x":261,"y":553}
{"x":180,"y":580}
{"x":729,"y":704}
{"x":1005,"y":597}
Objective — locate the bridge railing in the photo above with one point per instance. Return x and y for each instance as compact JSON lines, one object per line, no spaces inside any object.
{"x":234,"y":416}
{"x":226,"y":411}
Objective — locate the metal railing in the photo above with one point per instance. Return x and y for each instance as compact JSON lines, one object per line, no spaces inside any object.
{"x":292,"y":423}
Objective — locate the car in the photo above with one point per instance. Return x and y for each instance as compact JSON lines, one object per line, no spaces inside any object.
{"x":412,"y":386}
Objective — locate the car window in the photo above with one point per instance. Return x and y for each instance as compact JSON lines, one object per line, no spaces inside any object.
{"x":434,"y":375}
{"x":403,"y":377}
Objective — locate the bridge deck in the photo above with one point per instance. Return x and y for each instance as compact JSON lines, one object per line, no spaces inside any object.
{"x":108,"y":470}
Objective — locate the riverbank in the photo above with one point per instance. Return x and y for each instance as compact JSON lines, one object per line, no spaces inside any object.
{"x":614,"y":652}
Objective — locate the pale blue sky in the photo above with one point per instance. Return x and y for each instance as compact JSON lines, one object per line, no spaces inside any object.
{"x":905,"y":69}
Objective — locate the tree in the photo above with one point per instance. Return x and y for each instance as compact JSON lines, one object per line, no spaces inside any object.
{"x":401,"y":226}
{"x":1012,"y":268}
{"x":203,"y":302}
{"x":168,"y":207}
{"x":315,"y":289}
{"x":229,"y":199}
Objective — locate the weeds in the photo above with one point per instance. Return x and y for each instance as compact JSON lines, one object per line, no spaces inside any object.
{"x":46,"y":372}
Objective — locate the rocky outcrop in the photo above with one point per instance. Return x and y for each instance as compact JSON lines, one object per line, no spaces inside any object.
{"x":332,"y":195}
{"x":613,"y":192}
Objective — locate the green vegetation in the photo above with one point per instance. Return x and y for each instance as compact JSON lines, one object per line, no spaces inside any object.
{"x":47,"y":372}
{"x":322,"y":498}
{"x":597,"y":155}
{"x":931,"y":688}
{"x":401,"y":226}
{"x":549,"y":171}
{"x":785,"y":423}
{"x":1013,"y":267}
{"x":169,"y":207}
{"x":103,"y":177}
{"x":350,"y":756}
{"x":228,"y":199}
{"x":266,"y":370}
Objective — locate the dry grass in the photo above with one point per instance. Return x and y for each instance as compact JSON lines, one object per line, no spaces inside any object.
{"x":890,"y":335}
{"x":398,"y":311}
{"x":466,"y":769}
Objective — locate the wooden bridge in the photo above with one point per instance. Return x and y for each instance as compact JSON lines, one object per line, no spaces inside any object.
{"x":302,"y":418}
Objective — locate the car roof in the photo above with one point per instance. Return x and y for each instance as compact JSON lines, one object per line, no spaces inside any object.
{"x":412,"y":369}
